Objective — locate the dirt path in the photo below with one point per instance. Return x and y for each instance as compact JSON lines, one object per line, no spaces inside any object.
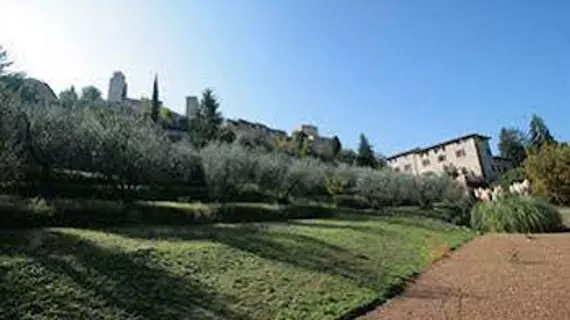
{"x":492,"y":277}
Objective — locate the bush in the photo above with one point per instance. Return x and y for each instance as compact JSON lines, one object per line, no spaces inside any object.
{"x":351,"y":201}
{"x":307,"y":176}
{"x":457,"y":204}
{"x":432,"y":189}
{"x":254,"y":194}
{"x":377,"y":187}
{"x":512,"y":176}
{"x":516,"y":214}
{"x":549,"y":171}
{"x":272,"y":172}
{"x":37,"y":212}
{"x":226,"y":169}
{"x":387,"y":187}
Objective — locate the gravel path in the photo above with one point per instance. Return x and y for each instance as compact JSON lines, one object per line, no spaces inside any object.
{"x":492,"y":277}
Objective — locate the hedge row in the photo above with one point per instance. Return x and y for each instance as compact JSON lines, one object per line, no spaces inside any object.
{"x":92,"y":213}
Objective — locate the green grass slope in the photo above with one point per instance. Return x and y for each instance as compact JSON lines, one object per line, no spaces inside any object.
{"x":304,"y":269}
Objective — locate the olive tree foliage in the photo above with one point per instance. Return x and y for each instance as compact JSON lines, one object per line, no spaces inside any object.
{"x":254,"y":140}
{"x":305,"y":176}
{"x":12,"y":122}
{"x":230,"y":167}
{"x":68,"y":98}
{"x":119,"y":145}
{"x":288,"y":176}
{"x":12,"y":146}
{"x":273,"y":173}
{"x":185,"y":164}
{"x":130,"y":150}
{"x":387,"y":187}
{"x":384,"y":187}
{"x":226,"y":168}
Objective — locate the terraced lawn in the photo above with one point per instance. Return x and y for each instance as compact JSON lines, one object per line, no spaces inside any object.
{"x":303,"y":269}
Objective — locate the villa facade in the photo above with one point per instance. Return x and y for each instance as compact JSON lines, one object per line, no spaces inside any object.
{"x":470,"y":154}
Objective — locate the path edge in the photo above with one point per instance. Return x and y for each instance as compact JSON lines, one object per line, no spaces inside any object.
{"x":396,"y":289}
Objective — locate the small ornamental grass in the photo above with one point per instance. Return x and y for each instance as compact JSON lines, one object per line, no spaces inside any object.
{"x":520,"y":214}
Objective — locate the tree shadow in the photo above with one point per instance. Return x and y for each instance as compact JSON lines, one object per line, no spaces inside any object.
{"x":127,"y":281}
{"x":295,"y":249}
{"x":377,"y":230}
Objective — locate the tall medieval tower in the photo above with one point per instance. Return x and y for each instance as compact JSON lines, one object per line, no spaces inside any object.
{"x":117,"y":87}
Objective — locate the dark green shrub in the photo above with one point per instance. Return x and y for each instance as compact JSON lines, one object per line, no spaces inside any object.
{"x":335,"y":185}
{"x":512,"y":176}
{"x":351,"y":201}
{"x":36,"y":212}
{"x":173,"y":192}
{"x":516,"y":214}
{"x":254,"y":194}
{"x":456,"y":205}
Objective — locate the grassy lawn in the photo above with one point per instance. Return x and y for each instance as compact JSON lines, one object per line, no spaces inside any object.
{"x":303,"y":269}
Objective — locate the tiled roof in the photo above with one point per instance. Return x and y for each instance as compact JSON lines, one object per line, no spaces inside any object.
{"x":437,"y":145}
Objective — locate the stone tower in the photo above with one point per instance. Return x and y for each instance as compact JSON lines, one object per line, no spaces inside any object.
{"x":117,"y":87}
{"x":191,"y":106}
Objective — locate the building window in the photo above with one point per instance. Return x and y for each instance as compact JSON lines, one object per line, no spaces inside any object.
{"x":441,"y":158}
{"x":425,"y":162}
{"x":408,"y":167}
{"x":460,"y":153}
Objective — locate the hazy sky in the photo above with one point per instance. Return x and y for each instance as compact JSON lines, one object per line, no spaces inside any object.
{"x":406,"y":73}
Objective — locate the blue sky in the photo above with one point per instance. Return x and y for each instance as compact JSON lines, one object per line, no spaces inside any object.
{"x":405,"y":73}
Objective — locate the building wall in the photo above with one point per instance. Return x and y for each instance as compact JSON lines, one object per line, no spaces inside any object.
{"x":471,"y":154}
{"x":322,"y":146}
{"x":500,"y":166}
{"x":117,"y":87}
{"x":406,"y":163}
{"x":460,"y":154}
{"x":486,"y":160}
{"x":242,"y":126}
{"x":191,"y":106}
{"x":310,"y":130}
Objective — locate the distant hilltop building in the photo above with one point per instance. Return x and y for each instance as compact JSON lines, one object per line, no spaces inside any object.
{"x":177,"y":126}
{"x":470,"y":155}
{"x":311,"y":131}
{"x":117,"y":87}
{"x":320,"y":145}
{"x":118,"y":91}
{"x":241,"y":125}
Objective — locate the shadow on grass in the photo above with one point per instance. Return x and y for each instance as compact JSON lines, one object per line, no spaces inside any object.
{"x":128,"y":282}
{"x":281,"y":246}
{"x":372,"y":230}
{"x":133,"y":283}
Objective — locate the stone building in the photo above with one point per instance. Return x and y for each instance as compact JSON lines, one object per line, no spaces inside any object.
{"x":118,"y":92}
{"x":117,"y":87}
{"x":175,"y":125}
{"x":241,"y":125}
{"x":470,"y":155}
{"x":320,"y":145}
